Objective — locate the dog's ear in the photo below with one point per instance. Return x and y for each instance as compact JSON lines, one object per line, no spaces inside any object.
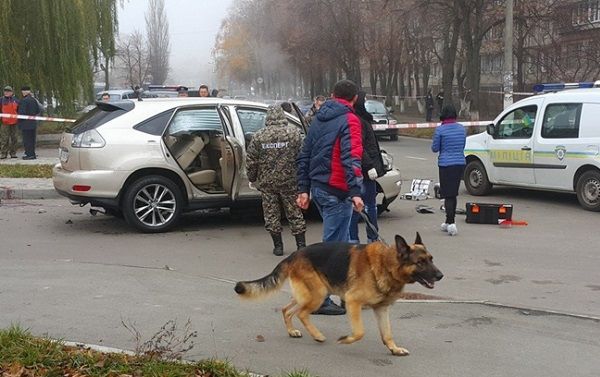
{"x":401,"y":246}
{"x":418,"y":239}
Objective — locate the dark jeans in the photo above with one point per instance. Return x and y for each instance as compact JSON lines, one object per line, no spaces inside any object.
{"x":369,"y":197}
{"x":429,"y":115}
{"x":29,"y":142}
{"x":450,"y":206}
{"x":336,"y":214}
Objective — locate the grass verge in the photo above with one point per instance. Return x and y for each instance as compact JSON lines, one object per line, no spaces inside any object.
{"x":24,"y":355}
{"x":25,"y":171}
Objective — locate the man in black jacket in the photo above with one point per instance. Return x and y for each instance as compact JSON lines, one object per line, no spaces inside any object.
{"x":28,"y":106}
{"x":372,"y":168}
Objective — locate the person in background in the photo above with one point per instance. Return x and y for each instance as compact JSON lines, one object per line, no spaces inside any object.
{"x":329,"y":168}
{"x":271,"y":166}
{"x":449,"y":141}
{"x":203,"y":91}
{"x":440,"y":100}
{"x":286,"y":106}
{"x":372,"y":168}
{"x":28,"y":106}
{"x":182,"y":91}
{"x":105,"y":97}
{"x":428,"y":106}
{"x":310,"y":114}
{"x":8,"y":126}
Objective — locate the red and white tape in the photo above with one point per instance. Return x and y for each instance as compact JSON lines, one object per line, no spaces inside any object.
{"x":34,"y":117}
{"x":424,"y":125}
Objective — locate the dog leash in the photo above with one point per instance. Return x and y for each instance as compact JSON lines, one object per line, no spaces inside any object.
{"x":371,"y":226}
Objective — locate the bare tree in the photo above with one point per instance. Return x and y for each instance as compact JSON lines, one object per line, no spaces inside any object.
{"x":157,"y":28}
{"x":132,"y":53}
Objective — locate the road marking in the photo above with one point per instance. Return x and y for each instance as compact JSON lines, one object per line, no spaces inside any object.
{"x":416,"y":158}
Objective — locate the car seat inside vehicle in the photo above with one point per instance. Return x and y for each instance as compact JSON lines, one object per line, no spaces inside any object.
{"x":198,"y":153}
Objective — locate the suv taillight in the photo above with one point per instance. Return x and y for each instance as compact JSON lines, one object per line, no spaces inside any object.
{"x":88,"y":139}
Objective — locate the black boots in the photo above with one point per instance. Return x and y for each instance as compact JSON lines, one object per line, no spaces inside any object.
{"x":277,"y":244}
{"x":300,"y":241}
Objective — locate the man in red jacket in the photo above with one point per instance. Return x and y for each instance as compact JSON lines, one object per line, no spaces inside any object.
{"x":8,"y":126}
{"x":329,"y":168}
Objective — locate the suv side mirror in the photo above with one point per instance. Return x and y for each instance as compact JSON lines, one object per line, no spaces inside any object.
{"x":390,"y":109}
{"x":491,"y":129}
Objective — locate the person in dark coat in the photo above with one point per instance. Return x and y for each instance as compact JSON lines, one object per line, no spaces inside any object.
{"x":372,"y":168}
{"x":28,"y":106}
{"x":449,"y":141}
{"x":428,"y":106}
{"x":440,"y":100}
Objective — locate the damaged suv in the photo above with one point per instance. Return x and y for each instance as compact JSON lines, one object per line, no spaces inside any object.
{"x":149,"y":161}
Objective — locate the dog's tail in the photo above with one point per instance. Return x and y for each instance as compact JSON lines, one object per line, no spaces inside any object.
{"x":266,"y":285}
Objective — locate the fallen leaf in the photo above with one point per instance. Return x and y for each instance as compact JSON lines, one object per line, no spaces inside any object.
{"x":260,"y":338}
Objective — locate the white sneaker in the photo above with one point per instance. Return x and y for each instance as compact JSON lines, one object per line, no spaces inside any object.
{"x":452,"y":230}
{"x":444,"y":227}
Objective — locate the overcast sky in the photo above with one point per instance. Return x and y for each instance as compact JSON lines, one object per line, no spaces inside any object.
{"x":193,"y":26}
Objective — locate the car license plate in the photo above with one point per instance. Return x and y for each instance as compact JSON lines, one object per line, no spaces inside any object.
{"x":378,"y":127}
{"x":63,"y":154}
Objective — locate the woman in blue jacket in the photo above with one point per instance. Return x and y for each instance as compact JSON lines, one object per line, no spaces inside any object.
{"x":449,"y":140}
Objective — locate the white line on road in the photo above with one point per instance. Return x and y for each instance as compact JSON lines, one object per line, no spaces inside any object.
{"x":416,"y":158}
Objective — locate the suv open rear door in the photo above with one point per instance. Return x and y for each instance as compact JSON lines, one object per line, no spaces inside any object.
{"x":231,"y":157}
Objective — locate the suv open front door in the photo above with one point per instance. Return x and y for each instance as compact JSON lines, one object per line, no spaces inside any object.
{"x":231,"y":158}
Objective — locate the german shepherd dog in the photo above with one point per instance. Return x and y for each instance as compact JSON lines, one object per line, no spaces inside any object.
{"x":363,"y":275}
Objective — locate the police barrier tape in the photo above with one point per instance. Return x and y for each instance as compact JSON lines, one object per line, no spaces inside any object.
{"x":34,"y":117}
{"x":375,"y":126}
{"x":378,"y":127}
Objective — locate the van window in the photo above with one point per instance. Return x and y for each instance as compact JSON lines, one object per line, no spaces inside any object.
{"x":561,"y":121}
{"x":518,"y":124}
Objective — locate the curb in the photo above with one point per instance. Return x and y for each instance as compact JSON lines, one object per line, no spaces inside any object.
{"x":20,"y":192}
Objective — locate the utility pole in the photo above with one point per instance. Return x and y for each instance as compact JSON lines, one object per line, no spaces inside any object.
{"x":507,"y":74}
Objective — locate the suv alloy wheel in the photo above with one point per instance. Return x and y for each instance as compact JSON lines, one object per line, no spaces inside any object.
{"x":152,"y":204}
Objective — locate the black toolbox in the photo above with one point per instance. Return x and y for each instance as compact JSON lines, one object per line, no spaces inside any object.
{"x":486,"y":213}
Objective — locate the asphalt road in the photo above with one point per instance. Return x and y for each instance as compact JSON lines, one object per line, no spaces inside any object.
{"x":68,"y":274}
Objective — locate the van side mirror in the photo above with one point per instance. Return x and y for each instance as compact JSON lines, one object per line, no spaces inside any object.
{"x":390,"y":109}
{"x":491,"y":129}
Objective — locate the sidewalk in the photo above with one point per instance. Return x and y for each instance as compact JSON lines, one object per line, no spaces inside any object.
{"x":30,"y":188}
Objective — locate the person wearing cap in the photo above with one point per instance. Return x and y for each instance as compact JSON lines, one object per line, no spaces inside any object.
{"x":8,"y":126}
{"x":271,"y":167}
{"x":182,"y":91}
{"x":28,"y":106}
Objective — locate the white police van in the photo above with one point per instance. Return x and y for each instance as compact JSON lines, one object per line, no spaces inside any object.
{"x":549,"y":141}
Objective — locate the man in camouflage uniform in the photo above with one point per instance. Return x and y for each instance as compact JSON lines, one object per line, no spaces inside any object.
{"x":271,"y":166}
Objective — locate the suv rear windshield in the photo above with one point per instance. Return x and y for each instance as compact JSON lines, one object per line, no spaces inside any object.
{"x":99,"y":115}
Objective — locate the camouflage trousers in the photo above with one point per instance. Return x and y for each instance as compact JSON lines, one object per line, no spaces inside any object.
{"x":8,"y":140}
{"x":273,"y":203}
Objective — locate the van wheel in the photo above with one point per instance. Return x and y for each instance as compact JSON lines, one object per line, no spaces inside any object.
{"x":152,"y":204}
{"x":476,"y":179}
{"x":588,"y":190}
{"x":394,"y":137}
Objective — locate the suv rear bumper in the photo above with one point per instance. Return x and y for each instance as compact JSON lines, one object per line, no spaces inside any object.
{"x":104,"y":185}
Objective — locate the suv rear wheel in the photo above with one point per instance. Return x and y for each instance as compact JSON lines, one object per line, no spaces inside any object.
{"x":476,"y":179}
{"x":152,"y":204}
{"x":588,"y":190}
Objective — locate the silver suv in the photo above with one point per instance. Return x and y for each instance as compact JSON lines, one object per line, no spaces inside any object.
{"x":149,"y":161}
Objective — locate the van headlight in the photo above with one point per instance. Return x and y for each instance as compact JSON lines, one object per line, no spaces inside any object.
{"x":388,"y":160}
{"x":88,"y":139}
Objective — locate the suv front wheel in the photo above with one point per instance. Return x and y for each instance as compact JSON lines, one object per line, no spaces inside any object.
{"x":152,"y":204}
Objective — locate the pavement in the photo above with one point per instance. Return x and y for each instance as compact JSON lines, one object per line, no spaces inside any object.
{"x":30,"y":188}
{"x":75,"y":276}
